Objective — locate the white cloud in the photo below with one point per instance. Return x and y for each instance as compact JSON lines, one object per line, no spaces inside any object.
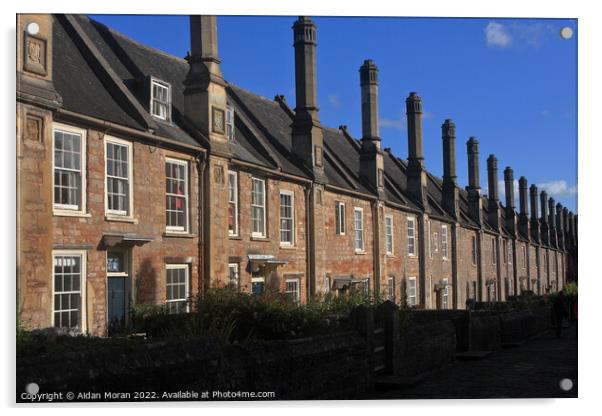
{"x":555,"y":189}
{"x":517,"y":32}
{"x":558,"y":188}
{"x":334,"y":100}
{"x":391,"y":123}
{"x":496,"y":34}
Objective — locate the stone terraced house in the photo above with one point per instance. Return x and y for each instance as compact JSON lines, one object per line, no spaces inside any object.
{"x":145,"y":178}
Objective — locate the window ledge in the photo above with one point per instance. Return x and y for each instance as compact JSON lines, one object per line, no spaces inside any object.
{"x":234,"y":237}
{"x":177,"y":234}
{"x":59,"y":213}
{"x":285,"y":247}
{"x":412,"y":256}
{"x":265,"y":239}
{"x":390,"y":256}
{"x":360,"y":253}
{"x":117,"y":218}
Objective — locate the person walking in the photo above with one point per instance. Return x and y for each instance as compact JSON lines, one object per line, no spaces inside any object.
{"x":560,"y":311}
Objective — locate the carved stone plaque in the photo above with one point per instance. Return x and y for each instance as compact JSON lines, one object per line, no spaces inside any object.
{"x":34,"y":59}
{"x":219,"y":174}
{"x":218,"y":124}
{"x":33,"y":128}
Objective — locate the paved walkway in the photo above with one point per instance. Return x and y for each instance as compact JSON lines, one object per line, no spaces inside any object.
{"x":532,"y":370}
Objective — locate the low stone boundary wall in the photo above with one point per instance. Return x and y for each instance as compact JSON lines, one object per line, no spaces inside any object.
{"x":333,"y":366}
{"x":426,"y":347}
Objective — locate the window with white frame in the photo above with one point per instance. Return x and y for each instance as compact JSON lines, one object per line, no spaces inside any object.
{"x":358,"y":222}
{"x":233,"y":278}
{"x":389,"y":234}
{"x":411,"y":223}
{"x":258,"y":207}
{"x":287,"y":218}
{"x":292,"y":289}
{"x":230,"y":123}
{"x":232,"y":203}
{"x":444,"y":251}
{"x":412,"y":291}
{"x":436,"y":242}
{"x":474,"y":249}
{"x":118,"y":160}
{"x":176,"y":195}
{"x":445,"y":294}
{"x":339,"y":215}
{"x":69,"y":144}
{"x":69,"y":289}
{"x":160,"y":99}
{"x":493,"y":251}
{"x":391,"y":288}
{"x":510,"y":252}
{"x":177,"y":291}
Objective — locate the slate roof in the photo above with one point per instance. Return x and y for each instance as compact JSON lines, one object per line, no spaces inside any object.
{"x":262,"y":126}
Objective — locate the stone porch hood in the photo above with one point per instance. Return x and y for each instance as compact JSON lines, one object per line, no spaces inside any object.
{"x":265,"y":263}
{"x":124,"y":240}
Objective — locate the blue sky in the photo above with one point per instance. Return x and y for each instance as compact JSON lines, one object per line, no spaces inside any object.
{"x":512,"y":83}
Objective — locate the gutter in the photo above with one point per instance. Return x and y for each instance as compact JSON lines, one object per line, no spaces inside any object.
{"x":128,"y":131}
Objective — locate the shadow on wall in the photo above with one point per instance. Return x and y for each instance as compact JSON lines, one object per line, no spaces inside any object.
{"x":146,"y":283}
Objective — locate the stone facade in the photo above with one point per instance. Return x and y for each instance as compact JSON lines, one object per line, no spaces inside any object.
{"x":410,"y":248}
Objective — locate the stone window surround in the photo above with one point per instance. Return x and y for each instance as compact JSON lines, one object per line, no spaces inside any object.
{"x":293,"y":228}
{"x":57,"y":210}
{"x":176,"y":229}
{"x":356,"y":229}
{"x":389,"y":235}
{"x":83,"y":284}
{"x":109,"y":214}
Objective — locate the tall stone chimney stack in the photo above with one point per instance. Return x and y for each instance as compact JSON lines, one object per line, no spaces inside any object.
{"x":572,"y":228}
{"x":567,"y":232}
{"x":523,"y":217}
{"x":474,"y":185}
{"x":545,"y":230}
{"x":493,"y":206}
{"x":510,"y":208}
{"x":559,"y":226}
{"x":308,"y":141}
{"x":371,"y":156}
{"x":416,"y":172}
{"x":552,"y":222}
{"x":535,"y":230}
{"x":205,"y":93}
{"x":450,"y":186}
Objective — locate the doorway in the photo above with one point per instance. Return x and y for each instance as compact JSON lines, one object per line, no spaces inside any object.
{"x":118,"y":291}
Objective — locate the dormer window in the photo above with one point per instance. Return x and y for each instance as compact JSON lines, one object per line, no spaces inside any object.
{"x":230,"y":123}
{"x":160,"y":99}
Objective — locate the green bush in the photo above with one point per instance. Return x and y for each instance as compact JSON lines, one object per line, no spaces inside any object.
{"x":236,"y":317}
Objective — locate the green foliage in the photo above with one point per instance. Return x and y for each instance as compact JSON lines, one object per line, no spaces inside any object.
{"x":570,"y":290}
{"x":235,"y":317}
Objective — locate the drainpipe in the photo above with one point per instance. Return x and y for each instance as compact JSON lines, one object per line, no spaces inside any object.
{"x":309,"y":240}
{"x":201,"y":218}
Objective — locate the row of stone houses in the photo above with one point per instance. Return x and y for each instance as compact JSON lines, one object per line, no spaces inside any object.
{"x":144,"y":178}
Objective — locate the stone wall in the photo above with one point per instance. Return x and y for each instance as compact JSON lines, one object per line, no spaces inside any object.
{"x":326,"y":367}
{"x":426,"y":347}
